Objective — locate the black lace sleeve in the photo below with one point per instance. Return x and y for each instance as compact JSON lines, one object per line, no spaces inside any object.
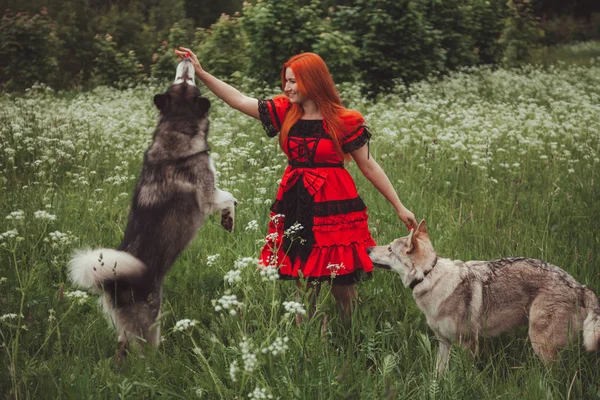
{"x":266,"y":111}
{"x":357,"y":140}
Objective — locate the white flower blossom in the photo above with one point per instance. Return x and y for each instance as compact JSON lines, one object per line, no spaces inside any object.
{"x":78,"y":295}
{"x":252,"y":226}
{"x":184,"y":324}
{"x":293,"y":308}
{"x":44,"y":215}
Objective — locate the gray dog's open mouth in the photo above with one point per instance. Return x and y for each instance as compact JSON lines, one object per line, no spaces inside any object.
{"x":382,"y":266}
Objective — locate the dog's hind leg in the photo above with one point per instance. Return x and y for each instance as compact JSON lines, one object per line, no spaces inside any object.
{"x":443,"y":356}
{"x":225,"y":202}
{"x":549,"y":332}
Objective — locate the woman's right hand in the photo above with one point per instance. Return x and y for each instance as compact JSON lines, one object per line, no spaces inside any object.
{"x":187,"y":53}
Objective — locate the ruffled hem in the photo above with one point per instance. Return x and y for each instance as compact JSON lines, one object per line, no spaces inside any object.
{"x":327,"y":262}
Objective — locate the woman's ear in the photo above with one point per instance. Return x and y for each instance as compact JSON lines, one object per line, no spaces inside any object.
{"x":161,"y":101}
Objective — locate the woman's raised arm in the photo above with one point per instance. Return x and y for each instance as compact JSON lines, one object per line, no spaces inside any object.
{"x":222,"y":90}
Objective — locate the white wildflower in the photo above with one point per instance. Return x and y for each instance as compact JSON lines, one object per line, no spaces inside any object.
{"x":278,"y":346}
{"x":243,"y":262}
{"x":210,"y":260}
{"x":269,"y":273}
{"x":293,"y":307}
{"x":252,"y":225}
{"x":227,"y":302}
{"x":260,"y":394}
{"x":44,"y":215}
{"x":233,"y":370}
{"x":248,"y":357}
{"x":78,"y":295}
{"x":16,"y":215}
{"x":233,"y":276}
{"x":184,"y":324}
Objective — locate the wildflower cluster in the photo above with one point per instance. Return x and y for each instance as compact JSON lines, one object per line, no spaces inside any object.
{"x":184,"y":324}
{"x":260,"y":394}
{"x":227,"y":302}
{"x":293,"y":230}
{"x":252,"y":226}
{"x":249,"y":358}
{"x":211,"y":260}
{"x":293,"y":308}
{"x":44,"y":215}
{"x":16,"y":215}
{"x":79,"y":296}
{"x":278,"y":346}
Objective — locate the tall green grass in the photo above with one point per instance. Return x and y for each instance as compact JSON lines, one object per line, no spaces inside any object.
{"x":500,"y":163}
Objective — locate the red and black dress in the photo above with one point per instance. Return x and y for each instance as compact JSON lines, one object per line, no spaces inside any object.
{"x":318,"y":228}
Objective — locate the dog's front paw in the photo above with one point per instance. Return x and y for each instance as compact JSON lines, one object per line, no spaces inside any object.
{"x":227,"y":221}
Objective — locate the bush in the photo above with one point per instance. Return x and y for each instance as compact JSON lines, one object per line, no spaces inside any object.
{"x":395,"y":41}
{"x":114,"y":68}
{"x":454,"y":21}
{"x":276,"y":31}
{"x":164,"y":59}
{"x":27,"y":45}
{"x":223,"y":49}
{"x":521,"y":35}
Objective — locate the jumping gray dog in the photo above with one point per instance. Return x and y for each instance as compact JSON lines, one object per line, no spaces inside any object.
{"x":465,"y":300}
{"x":175,"y":193}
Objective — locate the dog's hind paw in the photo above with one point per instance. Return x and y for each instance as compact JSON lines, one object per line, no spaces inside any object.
{"x":227,"y":221}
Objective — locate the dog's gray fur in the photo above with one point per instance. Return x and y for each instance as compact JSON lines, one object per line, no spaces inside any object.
{"x":175,"y":193}
{"x":465,"y":300}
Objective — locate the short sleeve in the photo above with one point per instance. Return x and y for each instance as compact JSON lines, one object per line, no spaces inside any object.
{"x":356,"y":139}
{"x":272,"y":113}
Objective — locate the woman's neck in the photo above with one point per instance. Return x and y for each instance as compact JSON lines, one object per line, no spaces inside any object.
{"x":311,"y":110}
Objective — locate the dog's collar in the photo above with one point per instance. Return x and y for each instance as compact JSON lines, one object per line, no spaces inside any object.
{"x":414,"y":283}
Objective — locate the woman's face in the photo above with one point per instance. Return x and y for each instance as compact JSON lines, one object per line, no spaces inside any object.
{"x":291,"y":88}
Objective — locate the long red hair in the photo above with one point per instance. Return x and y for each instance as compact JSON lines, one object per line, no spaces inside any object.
{"x":315,"y":82}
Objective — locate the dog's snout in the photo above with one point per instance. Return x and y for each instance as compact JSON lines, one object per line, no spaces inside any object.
{"x":369,"y":249}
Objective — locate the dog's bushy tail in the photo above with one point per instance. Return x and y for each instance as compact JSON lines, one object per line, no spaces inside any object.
{"x":89,"y":269}
{"x":591,"y":325}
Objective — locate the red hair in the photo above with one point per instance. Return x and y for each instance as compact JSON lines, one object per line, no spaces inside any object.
{"x":314,"y":82}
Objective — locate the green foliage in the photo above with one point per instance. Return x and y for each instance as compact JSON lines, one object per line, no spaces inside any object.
{"x":277,"y":30}
{"x":395,"y":41}
{"x":113,"y":67}
{"x":521,"y":35}
{"x":488,"y":24}
{"x":454,"y":20}
{"x":164,"y":60}
{"x":27,"y":44}
{"x":223,"y":49}
{"x":338,"y":50}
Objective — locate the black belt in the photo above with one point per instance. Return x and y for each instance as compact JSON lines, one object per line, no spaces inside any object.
{"x":315,"y":165}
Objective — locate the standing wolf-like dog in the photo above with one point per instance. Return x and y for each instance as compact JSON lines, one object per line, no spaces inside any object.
{"x":465,"y":300}
{"x":175,"y":193}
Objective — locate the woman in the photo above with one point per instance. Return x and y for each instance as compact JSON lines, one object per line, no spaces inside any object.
{"x":318,"y":227}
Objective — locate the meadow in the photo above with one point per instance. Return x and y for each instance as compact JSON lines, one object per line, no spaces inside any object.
{"x":499,"y":163}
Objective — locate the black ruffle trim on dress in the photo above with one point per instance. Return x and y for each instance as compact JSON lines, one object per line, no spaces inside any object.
{"x":265,"y":117}
{"x":357,"y":142}
{"x":327,"y":208}
{"x":352,"y":278}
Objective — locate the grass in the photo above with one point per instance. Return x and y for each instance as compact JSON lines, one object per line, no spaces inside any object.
{"x":500,"y":163}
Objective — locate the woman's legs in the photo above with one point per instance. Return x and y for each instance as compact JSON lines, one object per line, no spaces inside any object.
{"x":346,"y":297}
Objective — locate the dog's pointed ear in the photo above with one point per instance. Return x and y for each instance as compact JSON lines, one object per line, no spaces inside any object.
{"x":161,"y":101}
{"x":421,"y":229}
{"x":412,"y":241}
{"x":202,"y":105}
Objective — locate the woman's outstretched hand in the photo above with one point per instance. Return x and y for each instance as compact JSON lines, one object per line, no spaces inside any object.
{"x":408,"y":218}
{"x":187,"y":53}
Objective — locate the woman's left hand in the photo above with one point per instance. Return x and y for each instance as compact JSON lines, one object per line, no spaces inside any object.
{"x":408,"y":218}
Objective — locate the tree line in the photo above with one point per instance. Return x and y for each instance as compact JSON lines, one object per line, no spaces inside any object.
{"x":84,"y":43}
